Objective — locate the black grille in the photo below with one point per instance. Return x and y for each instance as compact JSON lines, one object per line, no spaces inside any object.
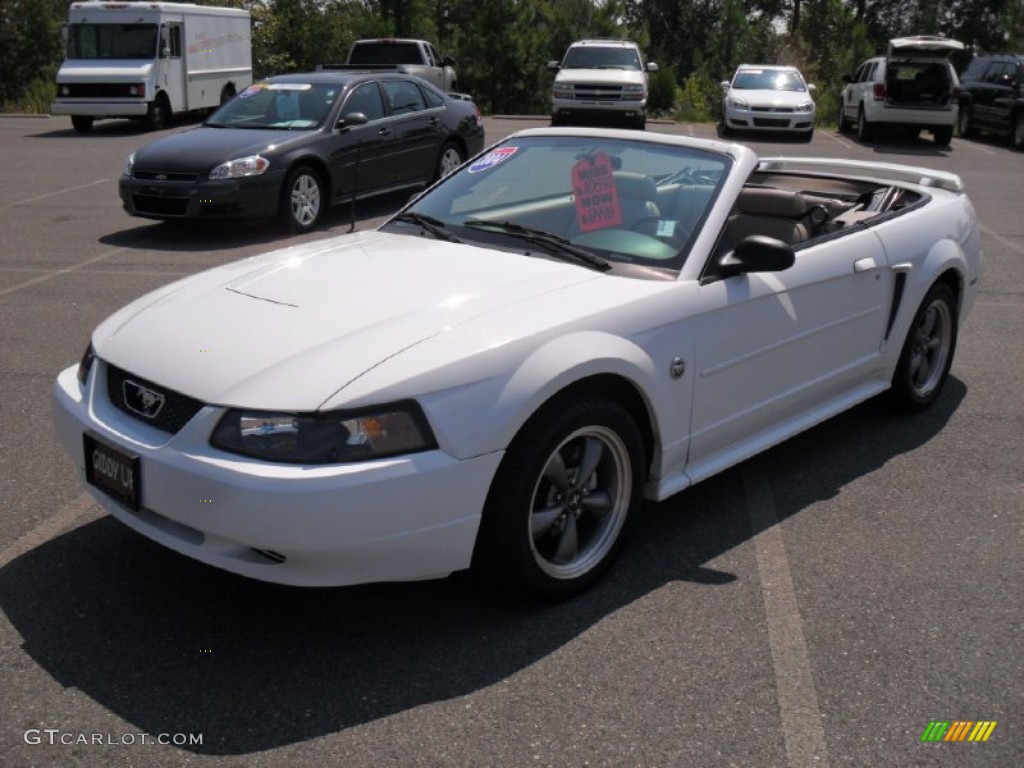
{"x":601,"y":92}
{"x":177,"y":410}
{"x":98,"y":90}
{"x":159,"y":205}
{"x":160,"y":176}
{"x":784,"y":110}
{"x":764,"y":122}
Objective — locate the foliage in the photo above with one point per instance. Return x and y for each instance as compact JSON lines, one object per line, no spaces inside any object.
{"x":502,"y":46}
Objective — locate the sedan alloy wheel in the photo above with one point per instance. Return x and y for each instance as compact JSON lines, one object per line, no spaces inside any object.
{"x":303,"y":199}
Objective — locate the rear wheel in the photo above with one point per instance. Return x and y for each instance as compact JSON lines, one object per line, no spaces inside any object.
{"x":302,"y":199}
{"x":81,"y":123}
{"x":865,"y":130}
{"x":564,"y":498}
{"x":927,"y":352}
{"x":450,"y":158}
{"x":943,"y":135}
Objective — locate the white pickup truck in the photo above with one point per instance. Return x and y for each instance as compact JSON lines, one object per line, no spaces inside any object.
{"x":417,"y":57}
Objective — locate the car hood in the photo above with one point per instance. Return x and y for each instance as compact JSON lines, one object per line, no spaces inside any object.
{"x":198,"y":150}
{"x":772,"y":98}
{"x":286,"y":330}
{"x":601,"y":76}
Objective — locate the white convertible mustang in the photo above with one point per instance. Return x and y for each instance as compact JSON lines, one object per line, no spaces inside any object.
{"x":575,"y":320}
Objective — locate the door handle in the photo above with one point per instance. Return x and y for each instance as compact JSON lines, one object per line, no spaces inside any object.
{"x":865,"y":265}
{"x":384,"y":132}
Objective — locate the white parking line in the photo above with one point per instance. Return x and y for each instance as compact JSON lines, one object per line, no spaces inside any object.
{"x":59,"y":272}
{"x":973,"y":145}
{"x":58,"y":192}
{"x":79,"y":511}
{"x":794,"y":681}
{"x":1008,"y":243}
{"x":837,"y":139}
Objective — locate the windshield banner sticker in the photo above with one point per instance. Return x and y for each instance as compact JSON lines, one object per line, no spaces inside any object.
{"x":491,"y":159}
{"x":597,"y":199}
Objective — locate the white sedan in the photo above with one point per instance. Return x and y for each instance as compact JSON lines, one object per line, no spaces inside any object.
{"x":763,"y":98}
{"x":497,"y":377}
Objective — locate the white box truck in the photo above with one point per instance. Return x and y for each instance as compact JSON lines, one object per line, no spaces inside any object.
{"x":151,"y":60}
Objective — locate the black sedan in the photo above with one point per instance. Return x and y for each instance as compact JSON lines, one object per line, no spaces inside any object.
{"x":291,"y":145}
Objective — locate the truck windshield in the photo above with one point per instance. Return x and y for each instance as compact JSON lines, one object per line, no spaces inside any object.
{"x":592,"y":57}
{"x":112,"y":41}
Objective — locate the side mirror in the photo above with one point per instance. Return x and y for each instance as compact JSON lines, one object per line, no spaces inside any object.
{"x":552,"y":65}
{"x":352,"y":119}
{"x":725,"y":85}
{"x":652,"y":67}
{"x":757,"y":253}
{"x":812,"y":87}
{"x":448,"y":61}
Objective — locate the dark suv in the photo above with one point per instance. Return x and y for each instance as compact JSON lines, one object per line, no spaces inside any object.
{"x":993,"y":97}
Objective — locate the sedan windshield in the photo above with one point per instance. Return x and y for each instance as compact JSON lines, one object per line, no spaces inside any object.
{"x":596,"y":201}
{"x":768,"y":80}
{"x":283,"y":106}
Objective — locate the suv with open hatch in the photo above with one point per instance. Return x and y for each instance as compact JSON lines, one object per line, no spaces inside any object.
{"x":914,"y":87}
{"x":993,"y":97}
{"x":601,"y":80}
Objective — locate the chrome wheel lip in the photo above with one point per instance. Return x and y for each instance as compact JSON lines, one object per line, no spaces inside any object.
{"x":305,"y":200}
{"x":931,"y":339}
{"x":612,"y":475}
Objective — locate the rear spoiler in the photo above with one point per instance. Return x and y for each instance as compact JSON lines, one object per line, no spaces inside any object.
{"x":925,"y":177}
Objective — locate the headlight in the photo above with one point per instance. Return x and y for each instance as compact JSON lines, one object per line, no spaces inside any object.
{"x":85,"y":364}
{"x":325,"y":438}
{"x":805,"y":106}
{"x":633,"y":90}
{"x":129,"y":163}
{"x":737,"y":103}
{"x":253,"y":165}
{"x":563,"y":91}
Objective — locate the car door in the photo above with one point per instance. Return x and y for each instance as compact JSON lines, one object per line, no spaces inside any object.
{"x":774,"y":347}
{"x":1004,"y":90}
{"x":417,"y":132}
{"x":360,"y":154}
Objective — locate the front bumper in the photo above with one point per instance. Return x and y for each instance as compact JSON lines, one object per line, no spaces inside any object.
{"x":121,"y":108}
{"x":768,"y":120}
{"x":598,"y":109}
{"x":252,"y":197}
{"x":920,"y":117}
{"x":403,"y":518}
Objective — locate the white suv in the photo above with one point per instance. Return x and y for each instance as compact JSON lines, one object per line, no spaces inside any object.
{"x":601,"y":80}
{"x":914,"y":87}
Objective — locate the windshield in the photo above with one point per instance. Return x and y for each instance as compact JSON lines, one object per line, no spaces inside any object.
{"x":627,"y":201}
{"x":592,"y":57}
{"x":282,"y":106}
{"x":112,"y":41}
{"x":768,"y":80}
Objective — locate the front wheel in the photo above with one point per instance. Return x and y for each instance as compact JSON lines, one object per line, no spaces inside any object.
{"x":563,"y":499}
{"x":158,"y":113}
{"x":302,"y":199}
{"x":1017,"y":137}
{"x":927,"y":352}
{"x":844,"y":124}
{"x":943,"y":135}
{"x":449,"y":159}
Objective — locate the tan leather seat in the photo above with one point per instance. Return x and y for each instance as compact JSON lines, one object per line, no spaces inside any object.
{"x":778,"y":213}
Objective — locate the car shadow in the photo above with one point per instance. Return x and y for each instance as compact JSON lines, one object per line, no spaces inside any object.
{"x":188,"y":235}
{"x":173,"y":646}
{"x":894,"y":144}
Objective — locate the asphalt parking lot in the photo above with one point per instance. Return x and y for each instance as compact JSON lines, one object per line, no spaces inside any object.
{"x":819,"y":605}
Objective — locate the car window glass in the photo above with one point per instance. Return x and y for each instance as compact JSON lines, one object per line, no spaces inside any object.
{"x":768,"y":80}
{"x":365,"y":99}
{"x":284,"y":106}
{"x":595,"y":57}
{"x":434,"y":56}
{"x":433,"y":98}
{"x":404,"y":97}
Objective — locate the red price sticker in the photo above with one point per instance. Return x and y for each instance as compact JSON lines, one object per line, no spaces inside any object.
{"x":597,"y":199}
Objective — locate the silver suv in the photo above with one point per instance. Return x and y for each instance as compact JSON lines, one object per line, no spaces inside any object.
{"x":601,"y":80}
{"x":914,"y":87}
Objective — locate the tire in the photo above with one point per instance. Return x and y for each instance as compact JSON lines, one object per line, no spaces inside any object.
{"x":844,"y":125}
{"x":1017,"y":134}
{"x":548,"y":530}
{"x":807,"y":137}
{"x":865,"y":130}
{"x":640,"y":124}
{"x":81,"y":123}
{"x":928,"y":351}
{"x":302,"y":199}
{"x":965,"y":123}
{"x":227,"y":93}
{"x":725,"y":131}
{"x":942,"y":136}
{"x":449,"y":158}
{"x":158,"y":113}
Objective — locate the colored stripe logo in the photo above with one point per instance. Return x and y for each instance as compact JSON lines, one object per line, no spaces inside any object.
{"x":958,"y":730}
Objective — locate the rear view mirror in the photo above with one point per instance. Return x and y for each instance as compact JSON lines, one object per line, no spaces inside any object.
{"x":352,"y":119}
{"x":757,"y":253}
